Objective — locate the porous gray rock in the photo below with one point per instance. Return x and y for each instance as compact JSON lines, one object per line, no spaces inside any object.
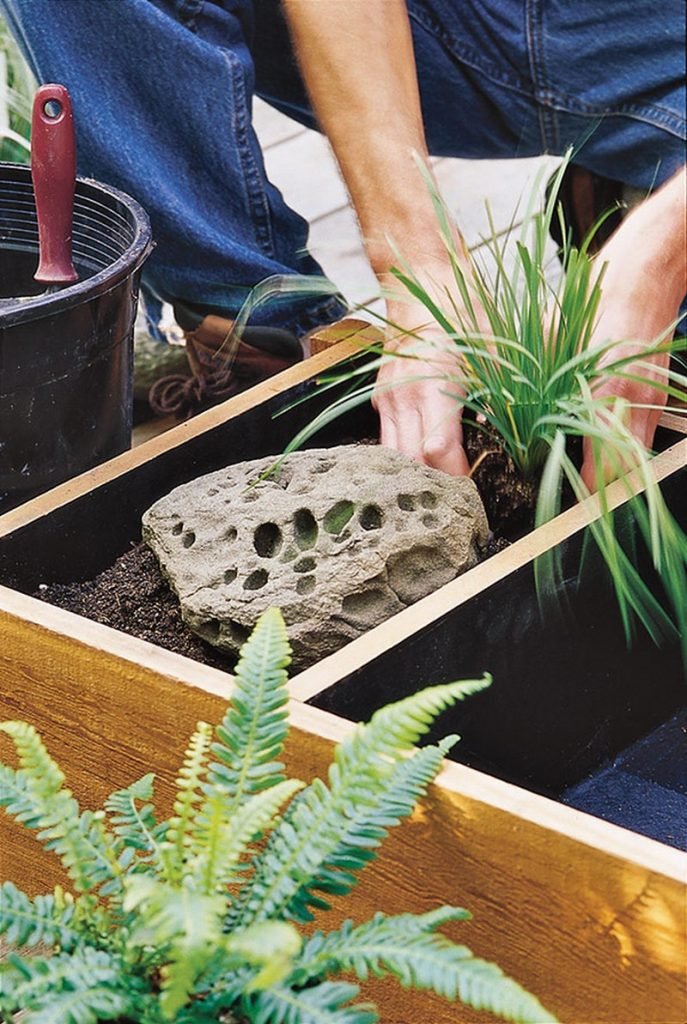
{"x":338,"y":538}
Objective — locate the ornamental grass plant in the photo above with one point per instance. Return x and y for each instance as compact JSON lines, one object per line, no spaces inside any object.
{"x":16,"y":96}
{"x":528,"y":373}
{"x":200,"y":918}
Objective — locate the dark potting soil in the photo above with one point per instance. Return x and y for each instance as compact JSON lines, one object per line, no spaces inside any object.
{"x":134,"y":597}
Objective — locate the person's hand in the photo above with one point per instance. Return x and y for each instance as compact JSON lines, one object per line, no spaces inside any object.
{"x":644,"y":282}
{"x":418,"y":392}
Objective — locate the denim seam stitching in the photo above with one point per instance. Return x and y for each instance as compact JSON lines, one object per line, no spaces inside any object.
{"x":651,"y":114}
{"x":466,"y":55}
{"x":255,"y":193}
{"x":548,"y":122}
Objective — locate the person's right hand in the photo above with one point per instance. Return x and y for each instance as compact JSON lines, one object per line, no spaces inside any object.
{"x":419,"y":397}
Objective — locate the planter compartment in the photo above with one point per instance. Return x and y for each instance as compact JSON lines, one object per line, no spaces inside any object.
{"x":588,"y":915}
{"x":568,"y":695}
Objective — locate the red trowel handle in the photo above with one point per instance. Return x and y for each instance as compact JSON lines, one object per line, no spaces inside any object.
{"x":53,"y":170}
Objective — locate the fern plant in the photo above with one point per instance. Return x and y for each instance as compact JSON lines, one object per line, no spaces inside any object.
{"x":194,"y":919}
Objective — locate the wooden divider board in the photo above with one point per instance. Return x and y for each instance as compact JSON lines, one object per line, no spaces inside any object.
{"x":588,"y":915}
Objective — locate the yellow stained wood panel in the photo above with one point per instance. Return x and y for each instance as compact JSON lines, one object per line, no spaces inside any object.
{"x":598,"y":936}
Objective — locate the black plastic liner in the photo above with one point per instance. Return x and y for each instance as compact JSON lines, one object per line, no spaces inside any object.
{"x":66,"y":358}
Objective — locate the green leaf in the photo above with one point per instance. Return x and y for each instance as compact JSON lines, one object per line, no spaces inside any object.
{"x":322,"y":1004}
{"x":135,"y":827}
{"x":252,"y":734}
{"x":270,"y":945}
{"x":311,"y":832}
{"x":35,"y":797}
{"x":28,"y":922}
{"x":181,"y":839}
{"x":408,"y":947}
{"x":78,"y":988}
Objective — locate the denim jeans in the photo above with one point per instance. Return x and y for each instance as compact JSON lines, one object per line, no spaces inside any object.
{"x":163,"y":89}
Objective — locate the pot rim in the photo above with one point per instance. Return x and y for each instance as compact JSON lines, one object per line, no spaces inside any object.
{"x":22,"y":310}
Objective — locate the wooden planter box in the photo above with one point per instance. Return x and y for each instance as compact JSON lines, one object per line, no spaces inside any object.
{"x":587,"y":914}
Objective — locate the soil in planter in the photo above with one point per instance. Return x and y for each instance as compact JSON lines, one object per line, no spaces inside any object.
{"x":134,"y":597}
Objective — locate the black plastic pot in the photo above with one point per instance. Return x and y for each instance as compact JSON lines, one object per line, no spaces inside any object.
{"x":66,"y":358}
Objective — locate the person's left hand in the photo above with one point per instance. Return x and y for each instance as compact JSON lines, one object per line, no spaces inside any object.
{"x":642,"y":288}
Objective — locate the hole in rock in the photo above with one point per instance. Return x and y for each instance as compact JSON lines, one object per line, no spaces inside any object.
{"x":238,"y":632}
{"x":231,"y":534}
{"x":189,"y":539}
{"x":305,"y":528}
{"x":305,"y":565}
{"x":177,"y":528}
{"x":371,"y":517}
{"x":367,"y":607}
{"x":230,"y":575}
{"x":256,"y":580}
{"x":267,"y":540}
{"x":429,"y":519}
{"x":209,"y":630}
{"x":305,"y":585}
{"x":338,"y":516}
{"x":406,"y":502}
{"x":428,"y":499}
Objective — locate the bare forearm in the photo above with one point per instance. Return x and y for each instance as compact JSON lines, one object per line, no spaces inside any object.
{"x":667,"y":242}
{"x":357,"y":61}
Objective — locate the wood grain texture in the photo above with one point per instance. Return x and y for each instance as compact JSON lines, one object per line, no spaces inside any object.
{"x":599,"y":937}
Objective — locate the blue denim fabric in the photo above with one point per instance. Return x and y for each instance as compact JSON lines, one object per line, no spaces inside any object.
{"x":162,"y":92}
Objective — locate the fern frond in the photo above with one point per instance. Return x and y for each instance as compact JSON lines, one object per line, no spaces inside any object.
{"x":226,"y":841}
{"x":82,"y":844}
{"x":180,"y":840}
{"x":252,"y":734}
{"x":322,"y":1004}
{"x":135,"y":827}
{"x":44,"y":775}
{"x":408,"y":947}
{"x":28,"y":922}
{"x":364,"y":832}
{"x":310,"y":832}
{"x":82,"y":987}
{"x":183,"y":925}
{"x":37,"y":801}
{"x":270,"y":945}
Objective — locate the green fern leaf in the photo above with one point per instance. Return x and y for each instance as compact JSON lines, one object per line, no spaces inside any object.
{"x":180,"y":829}
{"x":83,"y":1007}
{"x":270,"y":945}
{"x":227,"y":841}
{"x":34,"y":796}
{"x":135,"y":827}
{"x":28,"y":922}
{"x":407,"y":783}
{"x":310,"y":833}
{"x":81,"y":843}
{"x":76,"y":988}
{"x":182,"y":924}
{"x":252,"y":734}
{"x":44,"y":774}
{"x":16,"y":797}
{"x":407,"y":947}
{"x":322,"y":1004}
